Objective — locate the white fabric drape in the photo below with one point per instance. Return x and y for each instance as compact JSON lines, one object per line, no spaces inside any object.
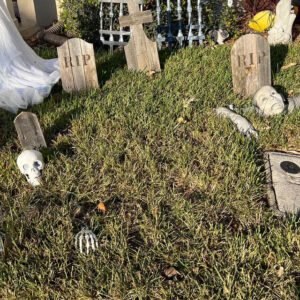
{"x":25,"y":78}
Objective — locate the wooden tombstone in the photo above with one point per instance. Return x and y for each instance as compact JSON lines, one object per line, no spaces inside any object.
{"x":141,"y":53}
{"x":29,"y":131}
{"x":251,"y":64}
{"x":77,"y":65}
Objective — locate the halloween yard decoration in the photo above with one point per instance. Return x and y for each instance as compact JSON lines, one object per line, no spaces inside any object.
{"x":281,"y":33}
{"x":219,"y":36}
{"x":77,"y":65}
{"x":283,"y":171}
{"x":29,"y":131}
{"x":141,"y":53}
{"x":267,"y":102}
{"x":243,"y":125}
{"x":87,"y":236}
{"x":25,"y":78}
{"x":251,"y":64}
{"x":30,"y":162}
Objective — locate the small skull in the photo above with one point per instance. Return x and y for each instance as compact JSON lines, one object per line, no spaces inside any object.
{"x":31,"y":164}
{"x":269,"y":102}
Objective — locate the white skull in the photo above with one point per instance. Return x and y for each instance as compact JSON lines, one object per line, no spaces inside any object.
{"x":268,"y":101}
{"x":31,"y":164}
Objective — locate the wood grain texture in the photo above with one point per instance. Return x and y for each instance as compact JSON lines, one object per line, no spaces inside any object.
{"x":251,"y":64}
{"x":77,"y":65}
{"x":29,"y":131}
{"x":137,"y":18}
{"x":141,"y":53}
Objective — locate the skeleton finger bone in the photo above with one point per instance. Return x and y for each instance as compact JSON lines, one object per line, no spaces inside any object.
{"x":90,"y":240}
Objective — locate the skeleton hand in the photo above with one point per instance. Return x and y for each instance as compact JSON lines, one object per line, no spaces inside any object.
{"x":90,"y":240}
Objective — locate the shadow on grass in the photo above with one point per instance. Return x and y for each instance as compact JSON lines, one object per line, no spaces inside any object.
{"x":108,"y":65}
{"x":7,"y":131}
{"x":278,"y":54}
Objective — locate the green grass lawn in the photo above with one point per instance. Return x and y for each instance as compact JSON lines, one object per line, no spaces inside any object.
{"x":186,"y":194}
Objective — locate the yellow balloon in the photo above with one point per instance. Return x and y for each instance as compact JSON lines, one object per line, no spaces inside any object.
{"x":262,"y":21}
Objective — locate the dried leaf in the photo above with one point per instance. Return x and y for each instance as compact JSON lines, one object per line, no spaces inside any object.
{"x":78,"y":211}
{"x":288,"y":66}
{"x":171,"y":272}
{"x":187,"y":102}
{"x":101,"y":206}
{"x":56,"y":97}
{"x":181,"y":120}
{"x":280,"y":272}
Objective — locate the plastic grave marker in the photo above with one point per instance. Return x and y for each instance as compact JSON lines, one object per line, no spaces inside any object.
{"x":141,"y":53}
{"x":283,"y":174}
{"x":77,"y":65}
{"x":29,"y":131}
{"x":251,"y":64}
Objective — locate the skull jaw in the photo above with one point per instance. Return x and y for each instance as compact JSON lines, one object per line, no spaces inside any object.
{"x":34,"y":181}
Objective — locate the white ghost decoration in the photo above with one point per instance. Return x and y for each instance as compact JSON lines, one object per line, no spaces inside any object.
{"x":268,"y":101}
{"x":31,"y":164}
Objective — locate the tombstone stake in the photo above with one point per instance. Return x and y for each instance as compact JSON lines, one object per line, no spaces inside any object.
{"x":251,"y":64}
{"x":141,"y":53}
{"x":77,"y":65}
{"x":29,"y":131}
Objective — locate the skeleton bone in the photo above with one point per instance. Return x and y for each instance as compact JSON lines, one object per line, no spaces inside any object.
{"x":293,"y":103}
{"x":243,"y":125}
{"x":267,"y":102}
{"x":91,"y":240}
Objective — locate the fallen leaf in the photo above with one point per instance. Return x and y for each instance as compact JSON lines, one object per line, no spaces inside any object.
{"x":291,"y":93}
{"x":56,"y":97}
{"x":101,"y":206}
{"x":288,"y":66}
{"x":151,"y":73}
{"x":181,"y":120}
{"x":280,"y":272}
{"x":171,"y":272}
{"x":78,"y":211}
{"x":187,"y":102}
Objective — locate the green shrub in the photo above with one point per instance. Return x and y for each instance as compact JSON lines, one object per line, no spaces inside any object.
{"x":81,"y":18}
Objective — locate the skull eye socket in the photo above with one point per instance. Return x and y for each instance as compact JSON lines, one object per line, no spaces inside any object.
{"x":37,"y":164}
{"x":25,"y":167}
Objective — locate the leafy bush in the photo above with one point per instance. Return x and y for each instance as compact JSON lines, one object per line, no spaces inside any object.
{"x":252,"y":7}
{"x":81,"y":18}
{"x":216,"y":14}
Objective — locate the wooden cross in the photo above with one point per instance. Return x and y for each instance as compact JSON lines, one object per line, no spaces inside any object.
{"x":141,"y":53}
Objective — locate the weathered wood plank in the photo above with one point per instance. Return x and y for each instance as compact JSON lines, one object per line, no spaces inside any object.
{"x":141,"y":53}
{"x":64,"y":60}
{"x":251,"y":64}
{"x":89,"y":65}
{"x":77,"y":64}
{"x":136,"y":18}
{"x":29,"y":131}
